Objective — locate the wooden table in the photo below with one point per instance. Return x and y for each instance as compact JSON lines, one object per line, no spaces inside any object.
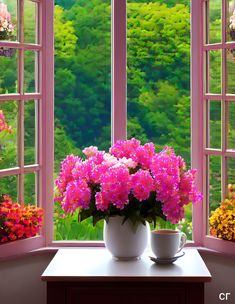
{"x":91,"y":275}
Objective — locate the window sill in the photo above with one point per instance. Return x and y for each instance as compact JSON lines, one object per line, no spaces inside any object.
{"x":56,"y":245}
{"x":201,"y":249}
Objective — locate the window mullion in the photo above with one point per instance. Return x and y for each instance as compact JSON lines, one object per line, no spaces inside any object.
{"x":21,"y":104}
{"x":21,"y":151}
{"x":119,"y":106}
{"x":46,"y":114}
{"x":197,"y":107}
{"x":223,"y":105}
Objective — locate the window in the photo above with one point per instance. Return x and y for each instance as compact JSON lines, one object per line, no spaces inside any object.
{"x":212,"y":108}
{"x":83,"y":100}
{"x":26,"y":105}
{"x":158,"y":79}
{"x":157,"y":91}
{"x":26,"y":97}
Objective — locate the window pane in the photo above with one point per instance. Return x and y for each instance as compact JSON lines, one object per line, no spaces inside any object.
{"x":231,"y":125}
{"x":214,"y":72}
{"x":158,"y":78}
{"x":230,"y":20}
{"x":214,"y":124}
{"x":231,"y":170}
{"x":8,"y":70}
{"x":8,"y":134}
{"x":30,"y":135}
{"x":30,"y":196}
{"x":31,"y":72}
{"x":214,"y":182}
{"x":82,"y":90}
{"x":8,"y":186}
{"x":8,"y":20}
{"x":30,"y":21}
{"x":230,"y":73}
{"x":214,"y":21}
{"x":68,"y":228}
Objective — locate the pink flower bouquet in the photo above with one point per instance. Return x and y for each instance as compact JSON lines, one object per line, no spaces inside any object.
{"x":132,"y":180}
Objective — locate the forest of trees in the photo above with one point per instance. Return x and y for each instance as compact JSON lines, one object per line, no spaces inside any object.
{"x":158,"y":87}
{"x":158,"y":72}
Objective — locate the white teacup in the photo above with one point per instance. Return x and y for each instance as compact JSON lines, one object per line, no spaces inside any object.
{"x":166,"y":243}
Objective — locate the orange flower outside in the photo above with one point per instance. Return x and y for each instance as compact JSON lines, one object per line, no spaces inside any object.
{"x":18,"y":222}
{"x":222,"y":220}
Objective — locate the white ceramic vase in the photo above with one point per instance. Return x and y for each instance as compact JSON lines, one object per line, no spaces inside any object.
{"x":125,"y":241}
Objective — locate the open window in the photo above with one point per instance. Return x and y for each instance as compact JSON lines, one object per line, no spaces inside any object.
{"x":26,"y":105}
{"x":213,"y":121}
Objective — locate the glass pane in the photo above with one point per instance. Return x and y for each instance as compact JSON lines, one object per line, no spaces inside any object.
{"x":8,"y":20}
{"x":231,"y":124}
{"x":231,"y":172}
{"x":8,"y":186}
{"x":230,"y":20}
{"x":214,"y":71}
{"x":230,"y":73}
{"x":214,"y":21}
{"x":8,"y":134}
{"x":30,"y":136}
{"x":158,"y":79}
{"x":158,"y":75}
{"x":30,"y":21}
{"x":82,"y":91}
{"x":30,"y":196}
{"x":8,"y":70}
{"x":214,"y":182}
{"x":30,"y":72}
{"x":214,"y":124}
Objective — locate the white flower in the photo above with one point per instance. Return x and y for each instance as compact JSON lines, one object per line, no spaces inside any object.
{"x":110,"y":159}
{"x":5,"y":24}
{"x":128,"y":162}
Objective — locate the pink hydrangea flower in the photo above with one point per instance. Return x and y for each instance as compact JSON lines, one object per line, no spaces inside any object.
{"x":124,"y":148}
{"x":165,"y":170}
{"x":66,"y":175}
{"x":174,"y":187}
{"x":90,"y":151}
{"x":187,"y":188}
{"x":144,"y":154}
{"x":101,"y":203}
{"x":129,"y":168}
{"x":77,"y":195}
{"x":131,"y":149}
{"x":115,"y":187}
{"x":142,"y":184}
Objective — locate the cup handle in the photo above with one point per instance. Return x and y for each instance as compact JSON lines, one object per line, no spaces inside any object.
{"x":183,"y":239}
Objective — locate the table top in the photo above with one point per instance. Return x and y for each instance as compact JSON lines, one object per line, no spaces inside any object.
{"x":97,"y":265}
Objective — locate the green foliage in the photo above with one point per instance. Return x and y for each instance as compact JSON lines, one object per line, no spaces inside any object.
{"x":169,"y":3}
{"x":68,"y":228}
{"x":66,"y":3}
{"x":83,"y":98}
{"x":65,"y":38}
{"x":8,"y":75}
{"x":63,"y":146}
{"x":158,"y":72}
